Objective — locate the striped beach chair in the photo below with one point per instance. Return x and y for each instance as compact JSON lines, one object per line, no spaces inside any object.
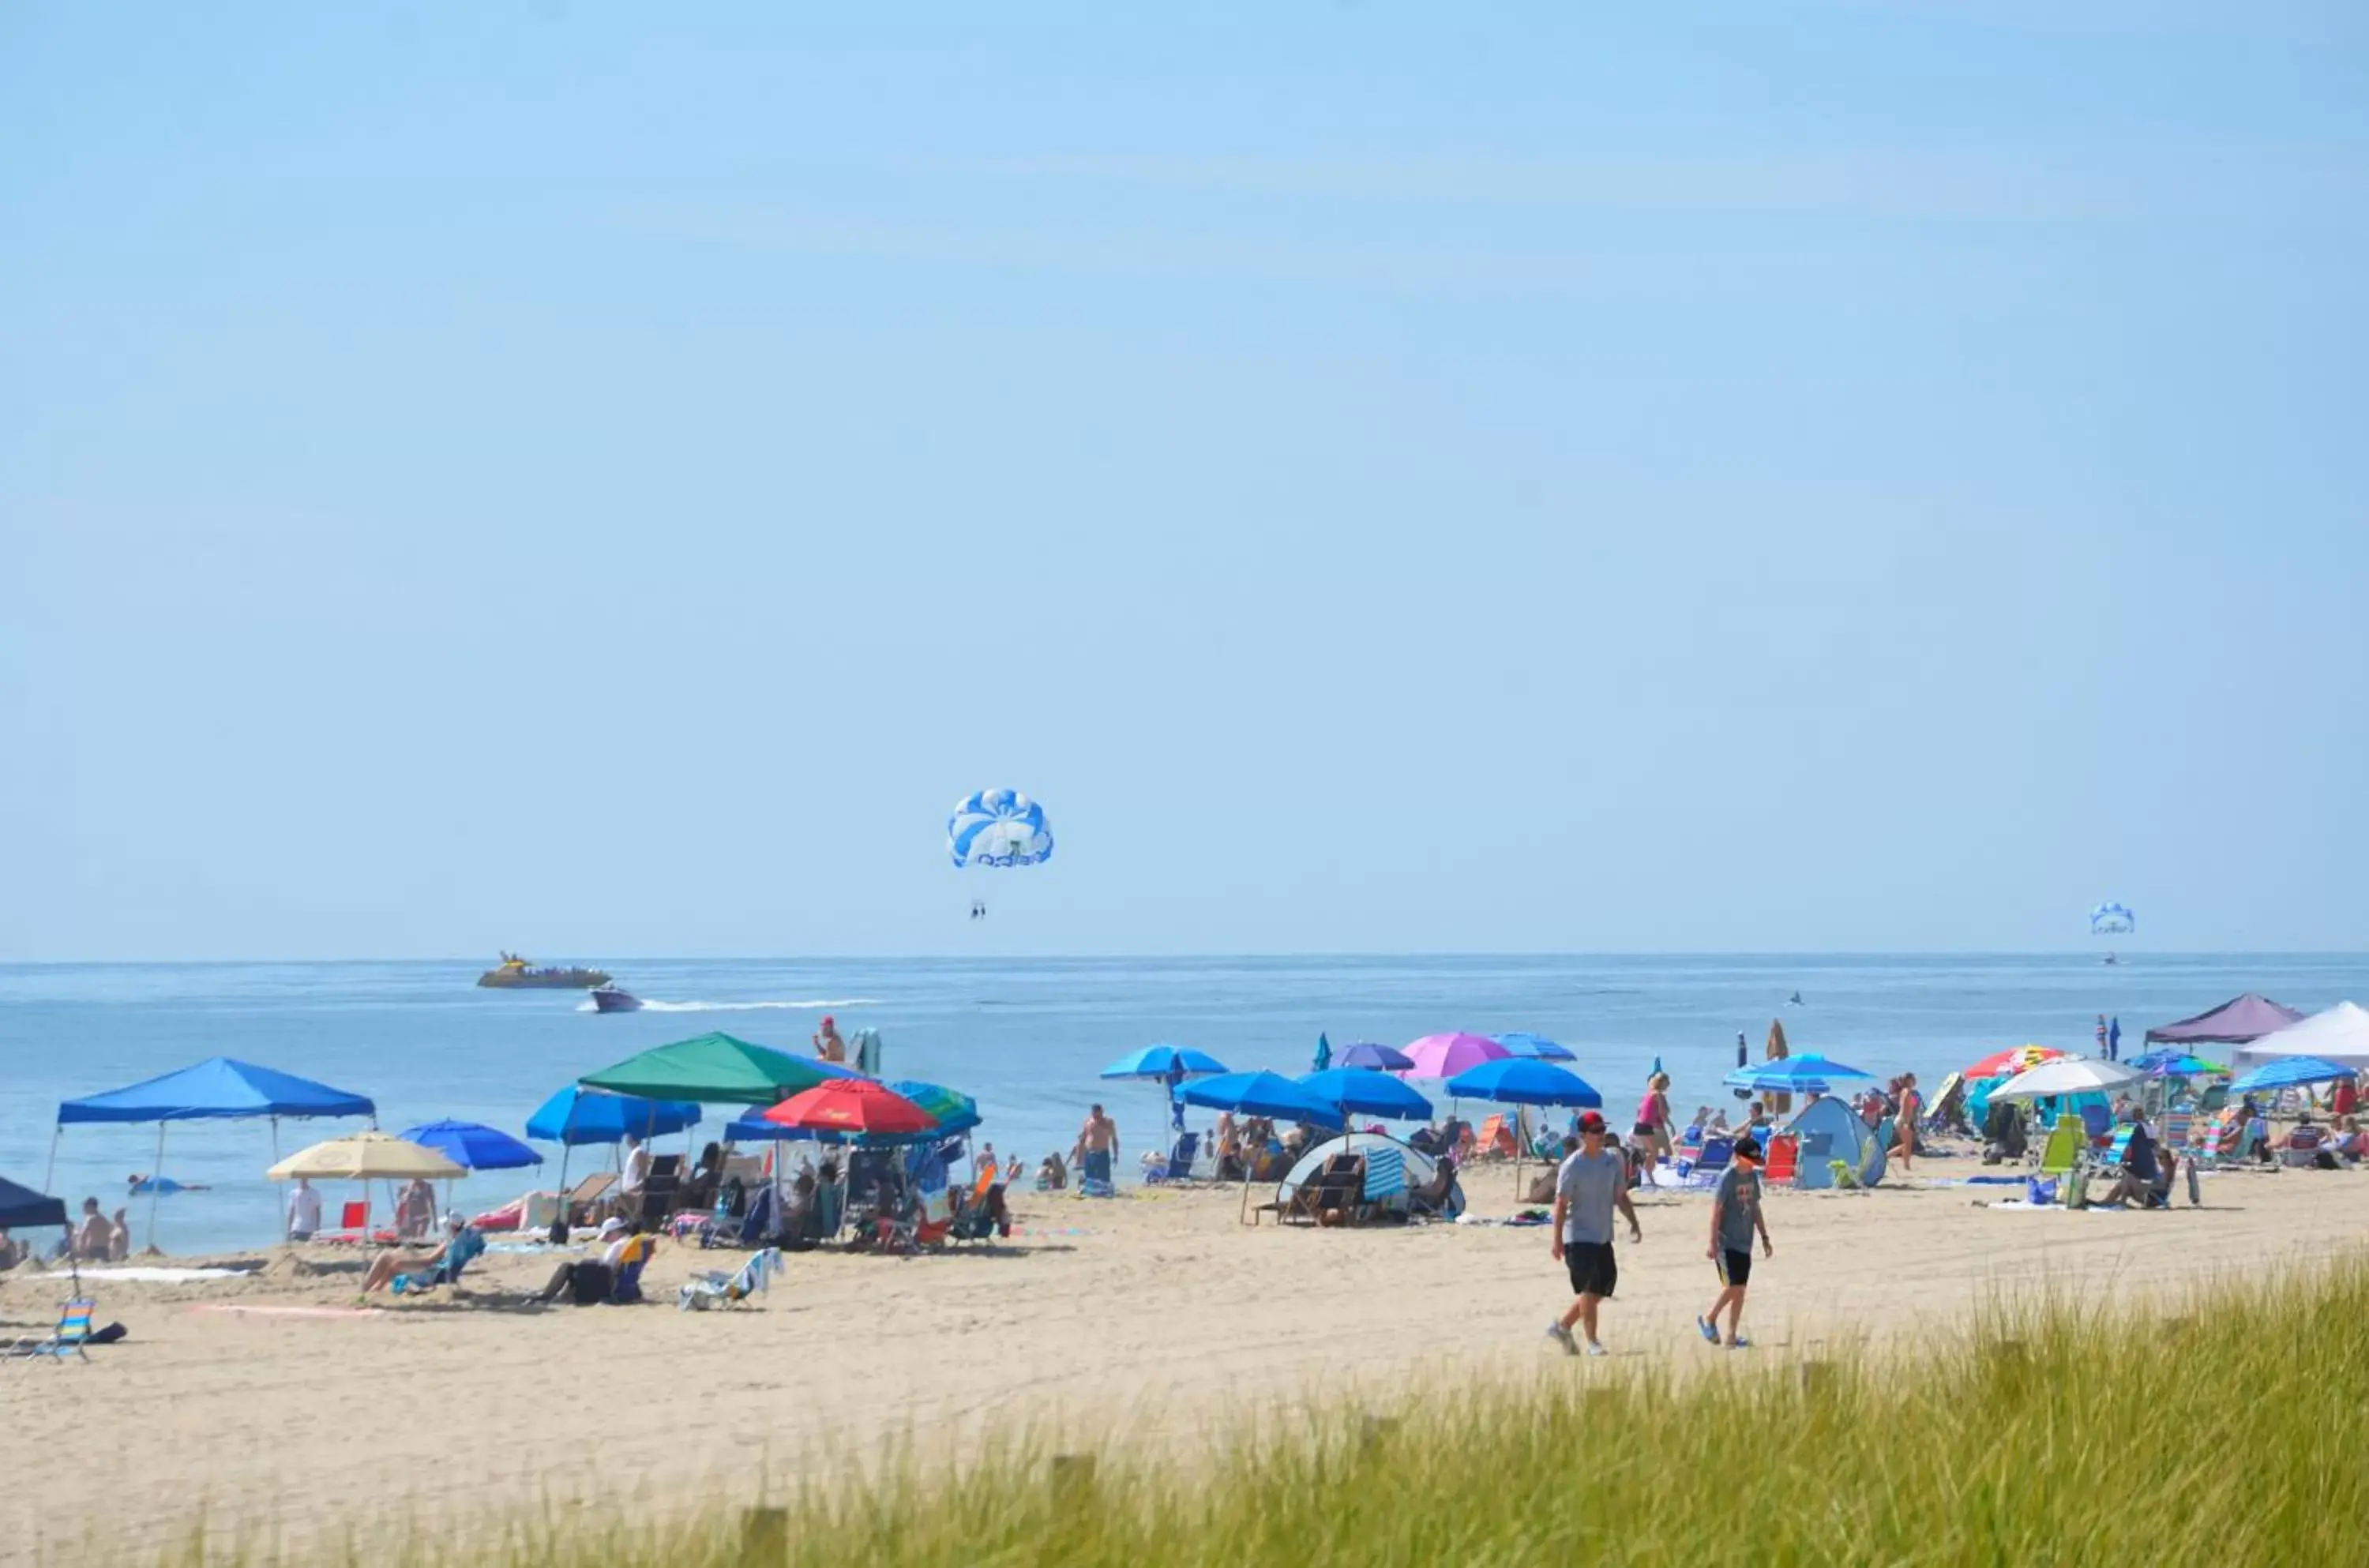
{"x":72,"y":1333}
{"x":1385,"y":1173}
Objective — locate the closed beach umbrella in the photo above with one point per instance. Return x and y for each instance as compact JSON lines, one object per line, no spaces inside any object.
{"x":1444,"y":1055}
{"x":714,"y":1067}
{"x":1537,"y":1048}
{"x":860,"y":1106}
{"x":472,"y":1145}
{"x":366,"y":1156}
{"x":2292,"y":1072}
{"x":1365,"y":1053}
{"x":2066,"y":1075}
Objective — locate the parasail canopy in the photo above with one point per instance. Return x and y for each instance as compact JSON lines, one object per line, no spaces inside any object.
{"x":998,"y":827}
{"x":2112,"y":919}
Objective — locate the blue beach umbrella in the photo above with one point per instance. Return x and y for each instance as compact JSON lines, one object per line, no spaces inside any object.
{"x":1381,"y":1059}
{"x":2293,"y":1073}
{"x":577,"y":1115}
{"x":1366,"y":1092}
{"x":2174,"y":1064}
{"x":1519,"y":1081}
{"x":1163,"y":1061}
{"x":474,"y":1145}
{"x":1537,"y":1048}
{"x":1792,"y":1075}
{"x":1262,"y":1095}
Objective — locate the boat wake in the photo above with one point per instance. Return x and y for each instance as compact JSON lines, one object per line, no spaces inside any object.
{"x":816,"y":1006}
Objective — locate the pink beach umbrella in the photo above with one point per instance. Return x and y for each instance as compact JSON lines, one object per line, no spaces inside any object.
{"x":1444,"y":1055}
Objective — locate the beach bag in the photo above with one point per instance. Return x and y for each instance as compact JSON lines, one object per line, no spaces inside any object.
{"x":2040,"y":1194}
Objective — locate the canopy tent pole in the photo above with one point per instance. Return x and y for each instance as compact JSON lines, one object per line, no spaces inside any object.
{"x":155,"y":1187}
{"x":50,"y":1173}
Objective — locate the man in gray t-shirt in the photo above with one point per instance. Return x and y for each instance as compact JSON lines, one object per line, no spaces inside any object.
{"x":1734,"y":1217}
{"x":1592,"y":1183}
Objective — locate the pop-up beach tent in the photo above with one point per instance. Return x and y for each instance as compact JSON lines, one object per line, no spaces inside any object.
{"x":2234,"y":1023}
{"x":1831,"y":1130}
{"x":218,"y":1089}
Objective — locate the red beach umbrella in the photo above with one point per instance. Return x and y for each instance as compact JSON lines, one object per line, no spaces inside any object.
{"x":852,"y":1105}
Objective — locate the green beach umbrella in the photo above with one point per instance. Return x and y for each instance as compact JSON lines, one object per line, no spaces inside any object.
{"x":713,"y":1068}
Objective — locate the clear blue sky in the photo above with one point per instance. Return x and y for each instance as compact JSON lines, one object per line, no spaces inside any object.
{"x":605,"y":479}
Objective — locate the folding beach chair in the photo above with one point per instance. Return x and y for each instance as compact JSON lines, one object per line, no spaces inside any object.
{"x":67,"y":1339}
{"x":2110,"y":1158}
{"x":353,"y":1225}
{"x":1179,"y":1160}
{"x":1717,"y":1152}
{"x":1784,"y":1162}
{"x":1495,"y":1140}
{"x":716,"y":1289}
{"x":2177,"y":1129}
{"x":2062,"y":1153}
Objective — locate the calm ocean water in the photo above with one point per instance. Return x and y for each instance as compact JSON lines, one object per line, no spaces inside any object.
{"x":1025,"y":1037}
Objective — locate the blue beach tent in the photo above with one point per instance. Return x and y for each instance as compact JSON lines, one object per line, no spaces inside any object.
{"x":218,"y":1089}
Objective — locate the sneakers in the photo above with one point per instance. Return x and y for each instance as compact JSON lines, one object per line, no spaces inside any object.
{"x":1739,"y":1343}
{"x":1596,"y":1349}
{"x":1711,"y":1334}
{"x":1562,"y":1336}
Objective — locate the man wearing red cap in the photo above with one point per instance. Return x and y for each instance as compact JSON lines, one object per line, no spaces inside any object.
{"x":1592,"y":1183}
{"x":826,"y":1043}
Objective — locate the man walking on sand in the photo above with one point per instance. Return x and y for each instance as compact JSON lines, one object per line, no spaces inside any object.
{"x":1591,"y":1185}
{"x":1735,"y":1216}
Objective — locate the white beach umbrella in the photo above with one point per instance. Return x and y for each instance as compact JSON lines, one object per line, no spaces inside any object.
{"x":2066,"y":1075}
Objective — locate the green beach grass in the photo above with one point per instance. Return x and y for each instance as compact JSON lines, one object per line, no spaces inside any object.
{"x":2226,"y":1426}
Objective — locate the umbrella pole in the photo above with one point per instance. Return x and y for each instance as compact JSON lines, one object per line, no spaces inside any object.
{"x":559,"y":1221}
{"x":156,"y":1189}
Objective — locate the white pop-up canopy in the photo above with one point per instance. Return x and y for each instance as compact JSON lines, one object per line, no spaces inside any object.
{"x":2338,"y":1034}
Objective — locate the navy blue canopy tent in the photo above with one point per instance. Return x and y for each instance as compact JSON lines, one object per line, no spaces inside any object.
{"x":23,"y":1209}
{"x":218,"y":1089}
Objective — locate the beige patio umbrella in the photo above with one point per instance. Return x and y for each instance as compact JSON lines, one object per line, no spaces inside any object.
{"x":365,"y":1156}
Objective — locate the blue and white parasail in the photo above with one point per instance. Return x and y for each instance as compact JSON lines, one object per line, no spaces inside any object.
{"x":998,"y":827}
{"x":2112,"y":919}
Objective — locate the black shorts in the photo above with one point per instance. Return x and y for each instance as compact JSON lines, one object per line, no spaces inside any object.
{"x":1734,"y":1267}
{"x":1646,"y":1129}
{"x":1594,"y":1271}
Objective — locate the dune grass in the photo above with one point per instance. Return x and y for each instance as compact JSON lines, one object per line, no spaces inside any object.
{"x":2230,"y":1429}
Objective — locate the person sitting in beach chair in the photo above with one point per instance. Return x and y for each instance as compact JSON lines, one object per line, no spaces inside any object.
{"x":1052,"y":1175}
{"x":1439,"y":1197}
{"x":613,"y":1276}
{"x":443,"y":1266}
{"x":2307,"y":1146}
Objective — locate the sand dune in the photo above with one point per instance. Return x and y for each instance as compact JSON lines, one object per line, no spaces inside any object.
{"x":272,"y":1400}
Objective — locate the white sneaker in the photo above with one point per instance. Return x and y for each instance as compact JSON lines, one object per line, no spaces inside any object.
{"x":1596,"y":1349}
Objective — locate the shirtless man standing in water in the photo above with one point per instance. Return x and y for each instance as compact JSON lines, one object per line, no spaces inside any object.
{"x":1097,"y":1147}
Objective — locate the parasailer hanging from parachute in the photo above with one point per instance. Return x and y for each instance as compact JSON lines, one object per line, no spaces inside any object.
{"x":2111,"y":919}
{"x":999,"y":827}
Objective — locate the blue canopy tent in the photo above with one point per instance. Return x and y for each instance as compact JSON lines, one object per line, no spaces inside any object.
{"x":218,"y":1089}
{"x":577,"y":1115}
{"x":22,"y":1209}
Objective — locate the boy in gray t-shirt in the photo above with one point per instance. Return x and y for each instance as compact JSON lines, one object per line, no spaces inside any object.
{"x":1592,"y":1183}
{"x":1735,"y":1217}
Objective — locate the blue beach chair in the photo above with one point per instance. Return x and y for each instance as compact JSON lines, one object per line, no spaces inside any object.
{"x":72,"y":1333}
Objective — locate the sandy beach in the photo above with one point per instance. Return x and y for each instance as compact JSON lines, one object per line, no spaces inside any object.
{"x":273,"y":1400}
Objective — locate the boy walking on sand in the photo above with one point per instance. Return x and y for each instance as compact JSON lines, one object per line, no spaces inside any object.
{"x":1735,"y":1216}
{"x":1591,"y":1185}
